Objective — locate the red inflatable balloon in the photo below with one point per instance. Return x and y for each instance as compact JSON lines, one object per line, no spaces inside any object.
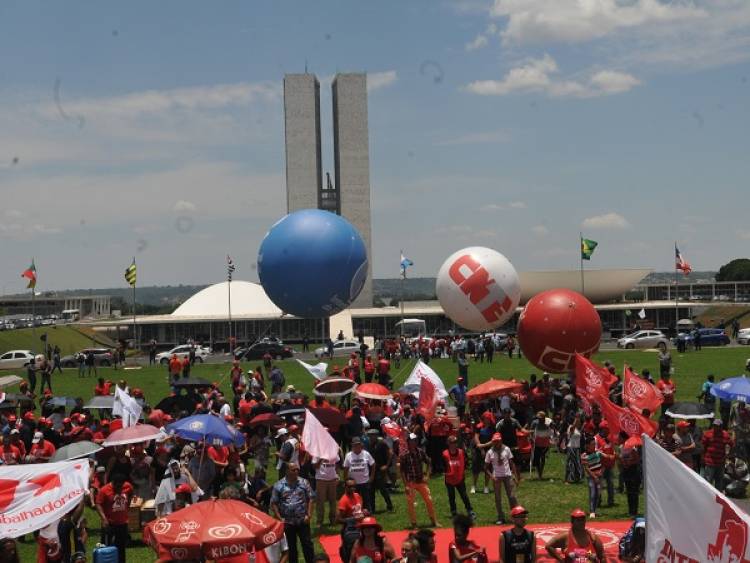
{"x":554,"y":325}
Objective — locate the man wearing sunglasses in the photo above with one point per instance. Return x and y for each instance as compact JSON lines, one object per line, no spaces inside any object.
{"x":518,"y":545}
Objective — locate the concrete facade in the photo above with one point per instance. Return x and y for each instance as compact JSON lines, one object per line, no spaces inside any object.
{"x":351,"y":153}
{"x":304,"y":168}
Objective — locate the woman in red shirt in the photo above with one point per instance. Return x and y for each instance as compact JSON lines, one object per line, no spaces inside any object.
{"x":371,"y":543}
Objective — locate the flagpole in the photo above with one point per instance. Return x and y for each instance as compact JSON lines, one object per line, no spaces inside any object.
{"x":33,"y":318}
{"x":229,"y":307}
{"x":580,"y":248}
{"x":676,"y":293}
{"x":135,"y":324}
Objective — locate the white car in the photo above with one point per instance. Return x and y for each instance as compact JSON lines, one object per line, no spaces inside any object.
{"x":644,"y":339}
{"x":16,"y":359}
{"x":182,"y":352}
{"x":340,"y":348}
{"x":743,"y":336}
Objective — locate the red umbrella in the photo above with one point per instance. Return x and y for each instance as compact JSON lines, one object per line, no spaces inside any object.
{"x":373,"y":391}
{"x":492,"y":389}
{"x":335,"y":386}
{"x":133,"y":435}
{"x":328,"y":416}
{"x":214,"y":529}
{"x":269,"y":418}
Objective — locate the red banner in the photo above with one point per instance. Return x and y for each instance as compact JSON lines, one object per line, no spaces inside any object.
{"x":639,"y":394}
{"x":592,"y":381}
{"x":626,"y":420}
{"x":428,"y":399}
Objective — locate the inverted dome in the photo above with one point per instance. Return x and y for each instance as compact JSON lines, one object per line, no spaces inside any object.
{"x":248,"y":300}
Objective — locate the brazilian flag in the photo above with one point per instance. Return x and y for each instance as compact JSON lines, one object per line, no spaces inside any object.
{"x":587,"y":248}
{"x":130,"y":274}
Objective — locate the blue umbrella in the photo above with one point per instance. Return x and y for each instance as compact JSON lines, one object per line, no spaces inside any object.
{"x":732,"y":389}
{"x":206,"y":428}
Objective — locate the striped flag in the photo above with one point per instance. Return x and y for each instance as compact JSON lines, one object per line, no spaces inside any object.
{"x":680,"y":262}
{"x":405,"y":263}
{"x":30,"y":274}
{"x":130,"y":274}
{"x":230,"y":268}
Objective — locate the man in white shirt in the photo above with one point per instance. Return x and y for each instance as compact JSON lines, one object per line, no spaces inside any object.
{"x":499,"y":463}
{"x":326,"y":480}
{"x":359,"y":465}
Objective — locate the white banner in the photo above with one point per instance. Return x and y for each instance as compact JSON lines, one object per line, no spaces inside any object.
{"x":35,"y":495}
{"x":316,"y":439}
{"x":318,"y":371}
{"x":423,"y":370}
{"x":687,"y":520}
{"x":126,"y":407}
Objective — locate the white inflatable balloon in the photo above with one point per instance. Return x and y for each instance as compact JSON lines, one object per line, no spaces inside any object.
{"x":478,"y":288}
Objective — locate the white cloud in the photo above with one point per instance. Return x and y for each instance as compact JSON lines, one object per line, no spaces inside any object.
{"x":184,"y":206}
{"x":540,"y":230}
{"x":504,"y":206}
{"x":606,"y":221}
{"x":537,"y":21}
{"x":477,"y":43}
{"x":479,"y":138}
{"x":377,"y":80}
{"x":540,"y":75}
{"x":517,"y":205}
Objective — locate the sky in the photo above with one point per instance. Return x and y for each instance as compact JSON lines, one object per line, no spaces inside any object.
{"x":155,"y":130}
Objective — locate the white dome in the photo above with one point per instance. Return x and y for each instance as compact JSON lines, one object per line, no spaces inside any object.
{"x":248,"y":300}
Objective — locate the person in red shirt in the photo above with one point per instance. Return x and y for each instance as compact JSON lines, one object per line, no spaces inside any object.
{"x":605,"y":447}
{"x":10,"y":454}
{"x":369,"y":369}
{"x":186,"y":366}
{"x":175,"y":367}
{"x":112,"y":504}
{"x":462,"y":548}
{"x":41,"y":449}
{"x":349,"y":511}
{"x":455,"y":467}
{"x":437,"y":439}
{"x":102,"y":389}
{"x":15,"y":440}
{"x":716,"y":444}
{"x":668,"y":389}
{"x":354,"y":368}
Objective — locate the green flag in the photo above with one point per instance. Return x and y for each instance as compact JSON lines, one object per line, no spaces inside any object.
{"x":130,"y":274}
{"x":587,"y":248}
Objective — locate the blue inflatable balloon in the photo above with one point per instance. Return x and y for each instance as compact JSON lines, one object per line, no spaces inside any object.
{"x":312,"y":263}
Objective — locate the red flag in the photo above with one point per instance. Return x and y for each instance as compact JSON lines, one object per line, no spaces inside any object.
{"x":639,"y":394}
{"x":391,"y":428}
{"x":626,"y":420}
{"x":428,"y":399}
{"x":592,"y":381}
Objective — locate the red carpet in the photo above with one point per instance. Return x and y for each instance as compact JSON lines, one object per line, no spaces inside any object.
{"x":609,"y":532}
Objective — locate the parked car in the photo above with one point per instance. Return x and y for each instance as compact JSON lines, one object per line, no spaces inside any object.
{"x":102,"y":357}
{"x":644,"y":339}
{"x":16,"y":359}
{"x":182,"y":352}
{"x":743,"y":336}
{"x":709,"y":337}
{"x":259,"y":349}
{"x":340,"y":348}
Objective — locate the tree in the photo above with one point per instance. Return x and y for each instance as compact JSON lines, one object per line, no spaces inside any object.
{"x":736,"y":270}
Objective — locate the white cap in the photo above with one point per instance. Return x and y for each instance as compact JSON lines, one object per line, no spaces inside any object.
{"x":412,"y":436}
{"x":282,"y":432}
{"x":14,"y":431}
{"x":38,"y":437}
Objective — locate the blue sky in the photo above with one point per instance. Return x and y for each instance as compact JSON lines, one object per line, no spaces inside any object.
{"x":156,"y":130}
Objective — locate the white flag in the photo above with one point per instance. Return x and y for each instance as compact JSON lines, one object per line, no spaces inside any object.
{"x":126,"y":407}
{"x":423,"y":370}
{"x":38,"y":494}
{"x":316,"y":439}
{"x":318,"y":371}
{"x":642,"y":314}
{"x":687,"y":519}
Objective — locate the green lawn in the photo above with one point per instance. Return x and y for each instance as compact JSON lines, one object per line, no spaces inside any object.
{"x":70,"y":339}
{"x":548,"y":501}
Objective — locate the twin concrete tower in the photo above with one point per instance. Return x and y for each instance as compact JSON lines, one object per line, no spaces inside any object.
{"x":349,"y":194}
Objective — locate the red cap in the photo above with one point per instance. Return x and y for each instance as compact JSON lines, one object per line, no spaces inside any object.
{"x":183,"y":488}
{"x":578,"y":513}
{"x":29,"y":415}
{"x":497,"y":437}
{"x":293,"y":428}
{"x":66,"y":420}
{"x":368,"y":522}
{"x":12,"y":418}
{"x":604,"y":425}
{"x":229,"y":418}
{"x":105,"y":422}
{"x":167,"y":418}
{"x":518,"y":511}
{"x":683,"y":424}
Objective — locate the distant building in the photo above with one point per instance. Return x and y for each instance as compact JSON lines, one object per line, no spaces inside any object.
{"x":349,"y":194}
{"x":88,"y":306}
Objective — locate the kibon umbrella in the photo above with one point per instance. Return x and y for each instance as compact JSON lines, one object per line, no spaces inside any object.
{"x":214,"y":530}
{"x":206,"y":428}
{"x":493,"y":388}
{"x":134,"y":435}
{"x":689,"y":411}
{"x":732,"y":389}
{"x":373,"y":391}
{"x":335,"y":386}
{"x":76,"y":450}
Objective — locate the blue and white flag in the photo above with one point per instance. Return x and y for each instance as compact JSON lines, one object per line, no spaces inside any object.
{"x":405,"y":263}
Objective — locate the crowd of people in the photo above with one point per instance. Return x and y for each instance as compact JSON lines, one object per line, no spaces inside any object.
{"x":386,"y":446}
